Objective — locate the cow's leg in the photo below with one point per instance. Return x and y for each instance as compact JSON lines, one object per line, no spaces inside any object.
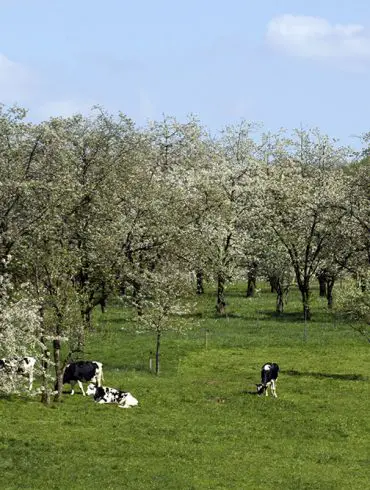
{"x":72,"y":383}
{"x":81,"y":387}
{"x":267,"y":390}
{"x":273,"y":388}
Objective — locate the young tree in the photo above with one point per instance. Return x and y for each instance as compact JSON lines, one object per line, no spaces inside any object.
{"x":162,"y":302}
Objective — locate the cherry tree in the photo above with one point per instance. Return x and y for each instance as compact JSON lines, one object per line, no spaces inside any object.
{"x":226,"y":199}
{"x":162,"y":303}
{"x":21,"y":328}
{"x":304,"y":186}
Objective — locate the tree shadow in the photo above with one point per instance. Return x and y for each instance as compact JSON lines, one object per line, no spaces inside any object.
{"x":266,"y":315}
{"x":210,"y":315}
{"x":293,"y":317}
{"x":343,"y":377}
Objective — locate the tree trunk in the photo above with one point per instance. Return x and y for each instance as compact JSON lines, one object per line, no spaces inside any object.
{"x":321,"y":277}
{"x":303,"y":282}
{"x":58,"y":370}
{"x":157,"y":353}
{"x":273,"y":283}
{"x":305,"y":292}
{"x":281,"y":295}
{"x":279,"y":300}
{"x":221,"y":305}
{"x":252,"y":279}
{"x":86,"y":316}
{"x":200,"y":288}
{"x":45,"y":397}
{"x":329,"y":291}
{"x":362,"y":283}
{"x":122,"y":289}
{"x":103,"y":303}
{"x":251,"y":287}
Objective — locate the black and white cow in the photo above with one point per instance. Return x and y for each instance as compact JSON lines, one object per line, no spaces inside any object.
{"x":83,"y":372}
{"x":19,"y":365}
{"x":269,"y":374}
{"x":103,"y":394}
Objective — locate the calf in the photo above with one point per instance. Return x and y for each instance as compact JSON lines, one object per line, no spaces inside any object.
{"x":19,"y":365}
{"x":82,"y":371}
{"x":269,"y":374}
{"x":103,"y":394}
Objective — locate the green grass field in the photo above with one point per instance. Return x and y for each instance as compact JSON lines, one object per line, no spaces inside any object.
{"x":198,"y":424}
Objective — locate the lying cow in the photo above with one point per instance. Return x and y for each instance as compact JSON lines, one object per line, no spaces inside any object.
{"x":19,"y":365}
{"x":82,"y":372}
{"x":103,"y":394}
{"x":269,"y":374}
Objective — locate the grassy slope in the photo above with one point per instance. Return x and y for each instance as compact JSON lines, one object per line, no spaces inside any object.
{"x":197,"y":426}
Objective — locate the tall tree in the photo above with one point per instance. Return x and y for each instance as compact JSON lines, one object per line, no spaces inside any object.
{"x":92,"y":149}
{"x":26,"y":181}
{"x":226,"y":199}
{"x":304,"y":187}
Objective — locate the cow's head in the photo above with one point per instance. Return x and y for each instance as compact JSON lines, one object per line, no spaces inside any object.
{"x":261,"y":389}
{"x":91,"y":389}
{"x":128,"y":401}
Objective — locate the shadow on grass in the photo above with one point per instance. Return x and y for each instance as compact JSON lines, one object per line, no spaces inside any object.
{"x":290,"y":317}
{"x":344,"y":377}
{"x":7,"y":398}
{"x":247,"y":392}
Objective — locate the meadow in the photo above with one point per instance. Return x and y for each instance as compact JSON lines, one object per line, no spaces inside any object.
{"x":199,"y":424}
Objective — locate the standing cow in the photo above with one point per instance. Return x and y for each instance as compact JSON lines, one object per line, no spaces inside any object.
{"x":269,"y":374}
{"x":82,"y":372}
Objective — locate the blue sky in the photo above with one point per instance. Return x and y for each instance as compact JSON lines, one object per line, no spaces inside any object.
{"x":284,"y":63}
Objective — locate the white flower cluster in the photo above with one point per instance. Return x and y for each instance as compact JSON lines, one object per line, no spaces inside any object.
{"x":20,"y":331}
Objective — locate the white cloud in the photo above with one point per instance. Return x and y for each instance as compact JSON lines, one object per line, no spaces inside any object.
{"x":16,"y":81}
{"x":316,"y":38}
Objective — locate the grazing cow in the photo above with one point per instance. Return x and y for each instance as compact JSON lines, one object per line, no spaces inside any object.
{"x":103,"y":394}
{"x":82,"y":371}
{"x":19,"y":365}
{"x":269,"y":374}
